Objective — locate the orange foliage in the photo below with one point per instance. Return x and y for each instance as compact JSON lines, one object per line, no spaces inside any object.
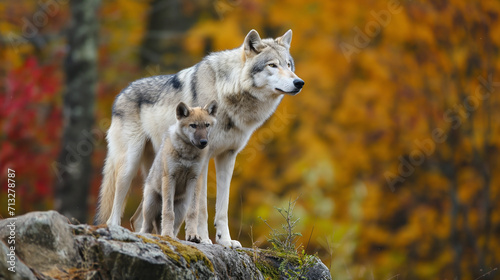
{"x":393,"y":145}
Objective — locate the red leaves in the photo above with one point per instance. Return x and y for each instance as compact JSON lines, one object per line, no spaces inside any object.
{"x":31,"y":125}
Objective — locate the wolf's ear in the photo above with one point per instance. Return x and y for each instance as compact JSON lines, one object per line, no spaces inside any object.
{"x":182,"y":111}
{"x":211,"y":108}
{"x":286,"y":39}
{"x":252,"y":43}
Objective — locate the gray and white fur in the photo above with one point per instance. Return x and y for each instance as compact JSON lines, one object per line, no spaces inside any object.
{"x":248,"y":84}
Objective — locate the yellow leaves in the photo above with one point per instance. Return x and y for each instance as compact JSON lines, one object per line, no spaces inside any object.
{"x":371,"y":205}
{"x":351,"y":111}
{"x":495,"y":34}
{"x":123,"y":24}
{"x":439,"y":183}
{"x":423,"y":33}
{"x":459,"y":56}
{"x":13,"y":54}
{"x":376,"y":68}
{"x":322,"y":206}
{"x":400,"y":28}
{"x":376,"y":235}
{"x":356,"y":118}
{"x":279,"y":14}
{"x":470,"y":184}
{"x":225,"y":35}
{"x":426,"y":270}
{"x":15,"y":45}
{"x":194,"y":43}
{"x":416,"y":227}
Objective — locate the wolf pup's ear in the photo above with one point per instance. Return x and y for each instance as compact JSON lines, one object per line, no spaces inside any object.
{"x":182,"y":111}
{"x":286,"y":39}
{"x":211,"y":108}
{"x":252,"y":43}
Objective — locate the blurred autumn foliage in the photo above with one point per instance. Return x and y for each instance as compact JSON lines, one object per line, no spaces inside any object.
{"x":392,"y":147}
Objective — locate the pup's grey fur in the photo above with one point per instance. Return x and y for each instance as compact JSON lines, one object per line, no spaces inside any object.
{"x":172,"y":179}
{"x":248,"y":84}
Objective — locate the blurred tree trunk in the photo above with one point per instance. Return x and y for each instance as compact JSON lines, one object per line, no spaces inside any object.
{"x":74,"y":166}
{"x":169,"y":21}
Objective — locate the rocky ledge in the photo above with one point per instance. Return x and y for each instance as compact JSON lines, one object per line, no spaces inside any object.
{"x":44,"y":245}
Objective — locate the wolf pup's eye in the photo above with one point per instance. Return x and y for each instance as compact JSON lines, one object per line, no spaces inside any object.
{"x":193,"y":125}
{"x":207,"y":125}
{"x":272,"y":65}
{"x":289,"y":65}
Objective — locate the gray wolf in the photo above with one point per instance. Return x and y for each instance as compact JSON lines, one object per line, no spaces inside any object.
{"x":248,"y":84}
{"x":172,"y":180}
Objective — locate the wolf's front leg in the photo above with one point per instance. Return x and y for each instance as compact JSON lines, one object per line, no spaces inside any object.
{"x":190,"y":201}
{"x":167,"y":213}
{"x":224,"y":165}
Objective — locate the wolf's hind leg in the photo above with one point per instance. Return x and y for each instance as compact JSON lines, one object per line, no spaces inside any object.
{"x":125,"y":173}
{"x":151,"y":206}
{"x":146,"y":163}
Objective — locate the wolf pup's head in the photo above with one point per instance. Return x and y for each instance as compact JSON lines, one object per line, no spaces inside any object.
{"x":269,"y":65}
{"x":195,"y":123}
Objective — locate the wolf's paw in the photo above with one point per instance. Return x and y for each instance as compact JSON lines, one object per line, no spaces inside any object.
{"x":206,"y":241}
{"x":169,"y":233}
{"x":229,"y":243}
{"x":113,"y":222}
{"x":194,"y":238}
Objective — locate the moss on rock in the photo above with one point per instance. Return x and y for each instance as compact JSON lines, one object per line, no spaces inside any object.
{"x":189,"y":253}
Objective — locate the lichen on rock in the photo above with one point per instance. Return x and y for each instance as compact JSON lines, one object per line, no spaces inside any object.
{"x":49,"y":247}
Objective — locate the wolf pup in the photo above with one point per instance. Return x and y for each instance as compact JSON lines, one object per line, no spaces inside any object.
{"x":171,"y":182}
{"x":248,"y":84}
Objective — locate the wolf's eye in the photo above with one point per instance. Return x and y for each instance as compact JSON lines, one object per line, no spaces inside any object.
{"x":272,"y":65}
{"x":289,"y":65}
{"x":193,"y":125}
{"x":207,"y":125}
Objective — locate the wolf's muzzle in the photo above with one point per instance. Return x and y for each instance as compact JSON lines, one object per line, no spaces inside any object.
{"x":298,"y":83}
{"x":203,"y":143}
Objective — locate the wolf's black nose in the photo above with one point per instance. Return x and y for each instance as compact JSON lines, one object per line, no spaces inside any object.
{"x":203,"y":142}
{"x":298,"y":83}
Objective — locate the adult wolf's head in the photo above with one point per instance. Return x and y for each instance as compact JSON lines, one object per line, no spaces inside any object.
{"x":269,"y":66}
{"x":195,"y":123}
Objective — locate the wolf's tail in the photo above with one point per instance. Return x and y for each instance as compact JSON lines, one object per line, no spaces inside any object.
{"x":106,"y":192}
